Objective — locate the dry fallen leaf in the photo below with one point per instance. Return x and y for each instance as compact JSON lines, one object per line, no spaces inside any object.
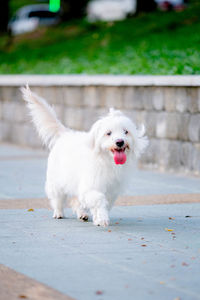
{"x":171,"y":218}
{"x":99,"y":292}
{"x":109,"y":230}
{"x":172,"y":266}
{"x":30,"y":209}
{"x":129,"y":239}
{"x":167,"y":229}
{"x":116,"y":222}
{"x":143,"y":245}
{"x":22,"y":297}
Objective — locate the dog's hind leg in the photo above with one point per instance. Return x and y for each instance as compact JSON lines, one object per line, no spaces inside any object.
{"x":57,"y":203}
{"x":57,"y":200}
{"x":77,"y":208}
{"x":82,"y":214}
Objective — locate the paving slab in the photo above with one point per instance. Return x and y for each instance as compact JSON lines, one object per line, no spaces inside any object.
{"x":10,"y":151}
{"x":142,"y":255}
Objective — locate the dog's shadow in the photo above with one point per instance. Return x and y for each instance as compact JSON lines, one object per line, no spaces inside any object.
{"x":144,"y":224}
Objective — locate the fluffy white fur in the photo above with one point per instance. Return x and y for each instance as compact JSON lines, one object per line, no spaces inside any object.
{"x":81,"y":164}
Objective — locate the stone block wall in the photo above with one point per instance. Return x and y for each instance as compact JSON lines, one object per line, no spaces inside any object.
{"x":170,"y":110}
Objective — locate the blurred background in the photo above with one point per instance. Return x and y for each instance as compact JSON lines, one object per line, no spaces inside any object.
{"x":110,"y":37}
{"x":100,"y":36}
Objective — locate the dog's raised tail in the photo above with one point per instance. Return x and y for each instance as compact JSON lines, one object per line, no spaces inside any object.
{"x":44,"y":117}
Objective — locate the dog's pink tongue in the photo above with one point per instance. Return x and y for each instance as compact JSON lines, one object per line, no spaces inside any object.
{"x":119,"y":157}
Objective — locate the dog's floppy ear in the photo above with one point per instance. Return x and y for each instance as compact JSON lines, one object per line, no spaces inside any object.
{"x":141,"y":141}
{"x":94,"y":138}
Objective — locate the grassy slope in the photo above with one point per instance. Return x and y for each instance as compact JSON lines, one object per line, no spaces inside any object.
{"x":16,"y":4}
{"x":156,"y":43}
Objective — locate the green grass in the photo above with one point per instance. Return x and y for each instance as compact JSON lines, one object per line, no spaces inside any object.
{"x":16,"y":4}
{"x":156,"y":43}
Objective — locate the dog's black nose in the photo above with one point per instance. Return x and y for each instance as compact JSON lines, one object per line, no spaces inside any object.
{"x":119,"y":143}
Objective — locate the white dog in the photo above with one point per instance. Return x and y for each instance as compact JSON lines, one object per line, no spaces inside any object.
{"x":92,"y":166}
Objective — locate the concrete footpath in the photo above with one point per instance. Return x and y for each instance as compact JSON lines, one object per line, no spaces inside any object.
{"x":151,"y":250}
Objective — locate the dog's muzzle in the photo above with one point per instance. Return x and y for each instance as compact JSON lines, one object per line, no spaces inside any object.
{"x":120,"y":143}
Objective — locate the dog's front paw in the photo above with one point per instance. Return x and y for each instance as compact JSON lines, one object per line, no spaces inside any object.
{"x":101,"y":218}
{"x":58,"y":214}
{"x":101,"y":222}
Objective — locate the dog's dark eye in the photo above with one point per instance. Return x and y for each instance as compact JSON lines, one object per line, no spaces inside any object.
{"x":109,"y":133}
{"x":126,"y":131}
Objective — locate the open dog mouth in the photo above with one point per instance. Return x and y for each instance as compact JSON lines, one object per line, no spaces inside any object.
{"x":119,"y":155}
